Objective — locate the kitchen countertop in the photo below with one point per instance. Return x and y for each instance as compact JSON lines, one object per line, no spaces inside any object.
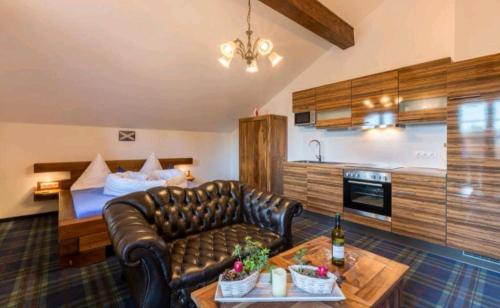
{"x":409,"y":170}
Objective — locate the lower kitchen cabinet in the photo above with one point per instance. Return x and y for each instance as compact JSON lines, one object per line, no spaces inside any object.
{"x":295,"y":182}
{"x":324,"y":189}
{"x":419,"y":206}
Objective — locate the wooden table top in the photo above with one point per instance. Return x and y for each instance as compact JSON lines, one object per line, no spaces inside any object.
{"x":369,"y":278}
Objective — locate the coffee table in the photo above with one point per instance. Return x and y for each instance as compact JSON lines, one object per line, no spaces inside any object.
{"x":370,"y":280}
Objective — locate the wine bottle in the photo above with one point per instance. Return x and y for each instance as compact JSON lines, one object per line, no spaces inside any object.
{"x":338,"y":242}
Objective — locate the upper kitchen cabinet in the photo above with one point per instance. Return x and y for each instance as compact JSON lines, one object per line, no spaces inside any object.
{"x":474,"y":77}
{"x":333,"y":105}
{"x":304,"y":100}
{"x":423,"y":92}
{"x":374,"y":100}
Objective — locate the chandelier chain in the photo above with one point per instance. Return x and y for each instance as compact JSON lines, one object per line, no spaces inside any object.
{"x":248,"y":16}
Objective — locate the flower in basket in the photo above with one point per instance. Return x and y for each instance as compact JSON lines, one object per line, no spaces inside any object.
{"x":241,"y":279}
{"x":312,"y":279}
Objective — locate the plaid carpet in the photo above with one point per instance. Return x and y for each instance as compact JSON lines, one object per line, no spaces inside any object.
{"x":31,"y":277}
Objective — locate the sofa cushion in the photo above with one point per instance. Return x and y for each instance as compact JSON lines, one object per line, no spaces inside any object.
{"x":183,"y":212}
{"x":201,"y":257}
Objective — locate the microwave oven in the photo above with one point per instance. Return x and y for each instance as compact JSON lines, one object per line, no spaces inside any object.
{"x":306,"y":118}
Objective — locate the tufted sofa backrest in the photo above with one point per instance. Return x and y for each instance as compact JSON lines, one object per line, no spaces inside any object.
{"x":182,"y":212}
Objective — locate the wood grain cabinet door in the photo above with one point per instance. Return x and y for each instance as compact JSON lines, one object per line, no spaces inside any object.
{"x":254,"y":160}
{"x":473,"y":189}
{"x":423,"y":92}
{"x":474,"y":77}
{"x":295,"y":182}
{"x":324,"y":189}
{"x":374,"y":100}
{"x":303,"y":100}
{"x":419,"y":206}
{"x":333,"y":105}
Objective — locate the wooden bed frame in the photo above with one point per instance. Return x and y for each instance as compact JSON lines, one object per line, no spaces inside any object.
{"x":84,"y":241}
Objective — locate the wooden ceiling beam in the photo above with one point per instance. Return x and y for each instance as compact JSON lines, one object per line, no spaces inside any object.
{"x":316,"y":17}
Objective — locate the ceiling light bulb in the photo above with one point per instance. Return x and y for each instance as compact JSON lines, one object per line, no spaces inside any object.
{"x":225,"y":61}
{"x":227,"y":49}
{"x":265,"y":47}
{"x":275,"y":58}
{"x":252,"y":67}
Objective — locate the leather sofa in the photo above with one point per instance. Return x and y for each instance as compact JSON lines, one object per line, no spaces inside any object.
{"x":170,"y":240}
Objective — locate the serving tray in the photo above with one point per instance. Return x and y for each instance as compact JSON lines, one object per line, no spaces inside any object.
{"x":263,"y":293}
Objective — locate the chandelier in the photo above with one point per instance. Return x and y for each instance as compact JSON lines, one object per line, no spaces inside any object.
{"x":249,"y":52}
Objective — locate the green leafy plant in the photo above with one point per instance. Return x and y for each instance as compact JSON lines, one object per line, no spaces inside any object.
{"x":298,"y":258}
{"x":254,"y":256}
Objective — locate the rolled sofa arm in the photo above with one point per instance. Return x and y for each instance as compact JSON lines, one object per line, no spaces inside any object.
{"x":144,"y":255}
{"x":271,"y":212}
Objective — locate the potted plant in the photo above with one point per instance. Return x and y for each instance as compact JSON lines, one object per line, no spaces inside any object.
{"x":311,"y":279}
{"x":242,"y":278}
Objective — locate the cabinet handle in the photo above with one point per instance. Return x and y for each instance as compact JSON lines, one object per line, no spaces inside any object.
{"x":405,"y":193}
{"x":464,"y":96}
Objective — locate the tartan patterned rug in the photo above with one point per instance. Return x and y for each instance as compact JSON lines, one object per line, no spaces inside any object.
{"x":30,"y":275}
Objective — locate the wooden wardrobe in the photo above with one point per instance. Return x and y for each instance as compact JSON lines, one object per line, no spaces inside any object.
{"x":263,"y":149}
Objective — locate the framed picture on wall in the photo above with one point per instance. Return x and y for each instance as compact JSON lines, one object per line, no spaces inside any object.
{"x":126,"y":135}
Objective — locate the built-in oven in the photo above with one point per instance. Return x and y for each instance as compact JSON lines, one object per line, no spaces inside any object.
{"x":368,"y":193}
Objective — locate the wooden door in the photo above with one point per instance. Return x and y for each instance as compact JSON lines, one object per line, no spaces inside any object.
{"x":277,"y":152}
{"x":473,"y":189}
{"x":303,"y":100}
{"x":419,"y":206}
{"x":333,"y":105}
{"x":253,"y":140}
{"x":423,"y":92}
{"x":295,"y":182}
{"x":325,"y":189}
{"x":374,"y":100}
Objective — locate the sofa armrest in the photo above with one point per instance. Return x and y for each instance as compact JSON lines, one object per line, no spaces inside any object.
{"x":144,"y":255}
{"x":271,"y":212}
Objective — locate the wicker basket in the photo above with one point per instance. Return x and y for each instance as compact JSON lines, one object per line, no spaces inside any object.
{"x":309,"y":284}
{"x":238,"y":288}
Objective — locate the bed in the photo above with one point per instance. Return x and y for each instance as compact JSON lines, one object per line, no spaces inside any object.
{"x":82,"y":234}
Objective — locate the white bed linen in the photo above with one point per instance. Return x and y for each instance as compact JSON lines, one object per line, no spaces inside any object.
{"x":119,"y":184}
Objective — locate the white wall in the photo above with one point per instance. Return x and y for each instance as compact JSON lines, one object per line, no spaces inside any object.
{"x":395,"y":34}
{"x":26,"y":144}
{"x":477,"y":28}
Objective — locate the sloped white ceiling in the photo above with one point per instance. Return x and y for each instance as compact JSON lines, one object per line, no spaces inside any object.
{"x":140,"y":63}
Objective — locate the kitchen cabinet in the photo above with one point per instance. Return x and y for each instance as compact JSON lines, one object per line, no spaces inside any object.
{"x":474,"y":77}
{"x":295,"y":182}
{"x":473,"y":187}
{"x":333,"y":105}
{"x":374,"y":100}
{"x":262,"y":151}
{"x":419,"y":206}
{"x":304,"y":100}
{"x":423,"y":92}
{"x":324,"y":189}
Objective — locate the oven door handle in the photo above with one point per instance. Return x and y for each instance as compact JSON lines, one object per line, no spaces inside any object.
{"x":364,"y":183}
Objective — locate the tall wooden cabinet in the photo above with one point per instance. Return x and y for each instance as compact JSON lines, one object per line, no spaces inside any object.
{"x":263,"y":148}
{"x":473,"y":186}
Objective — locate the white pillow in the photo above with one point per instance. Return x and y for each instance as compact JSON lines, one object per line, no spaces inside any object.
{"x":174,"y":177}
{"x":94,"y":176}
{"x":119,"y":184}
{"x":151,"y":164}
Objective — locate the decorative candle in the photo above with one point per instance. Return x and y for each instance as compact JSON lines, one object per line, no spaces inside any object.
{"x":279,"y":281}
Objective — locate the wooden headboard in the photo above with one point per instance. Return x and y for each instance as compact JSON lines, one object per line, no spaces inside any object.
{"x":76,"y":169}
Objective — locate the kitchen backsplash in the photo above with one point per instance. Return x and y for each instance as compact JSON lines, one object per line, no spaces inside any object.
{"x":413,"y":146}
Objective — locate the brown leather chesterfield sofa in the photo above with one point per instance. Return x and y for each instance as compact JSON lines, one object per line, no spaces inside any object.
{"x":171,"y":241}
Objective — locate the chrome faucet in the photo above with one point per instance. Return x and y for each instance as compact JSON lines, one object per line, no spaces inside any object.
{"x":318,"y":157}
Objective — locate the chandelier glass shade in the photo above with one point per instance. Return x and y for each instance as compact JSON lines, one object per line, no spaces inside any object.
{"x":250,"y":51}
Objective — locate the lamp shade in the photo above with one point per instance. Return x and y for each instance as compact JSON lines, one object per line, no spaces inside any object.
{"x":275,"y":58}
